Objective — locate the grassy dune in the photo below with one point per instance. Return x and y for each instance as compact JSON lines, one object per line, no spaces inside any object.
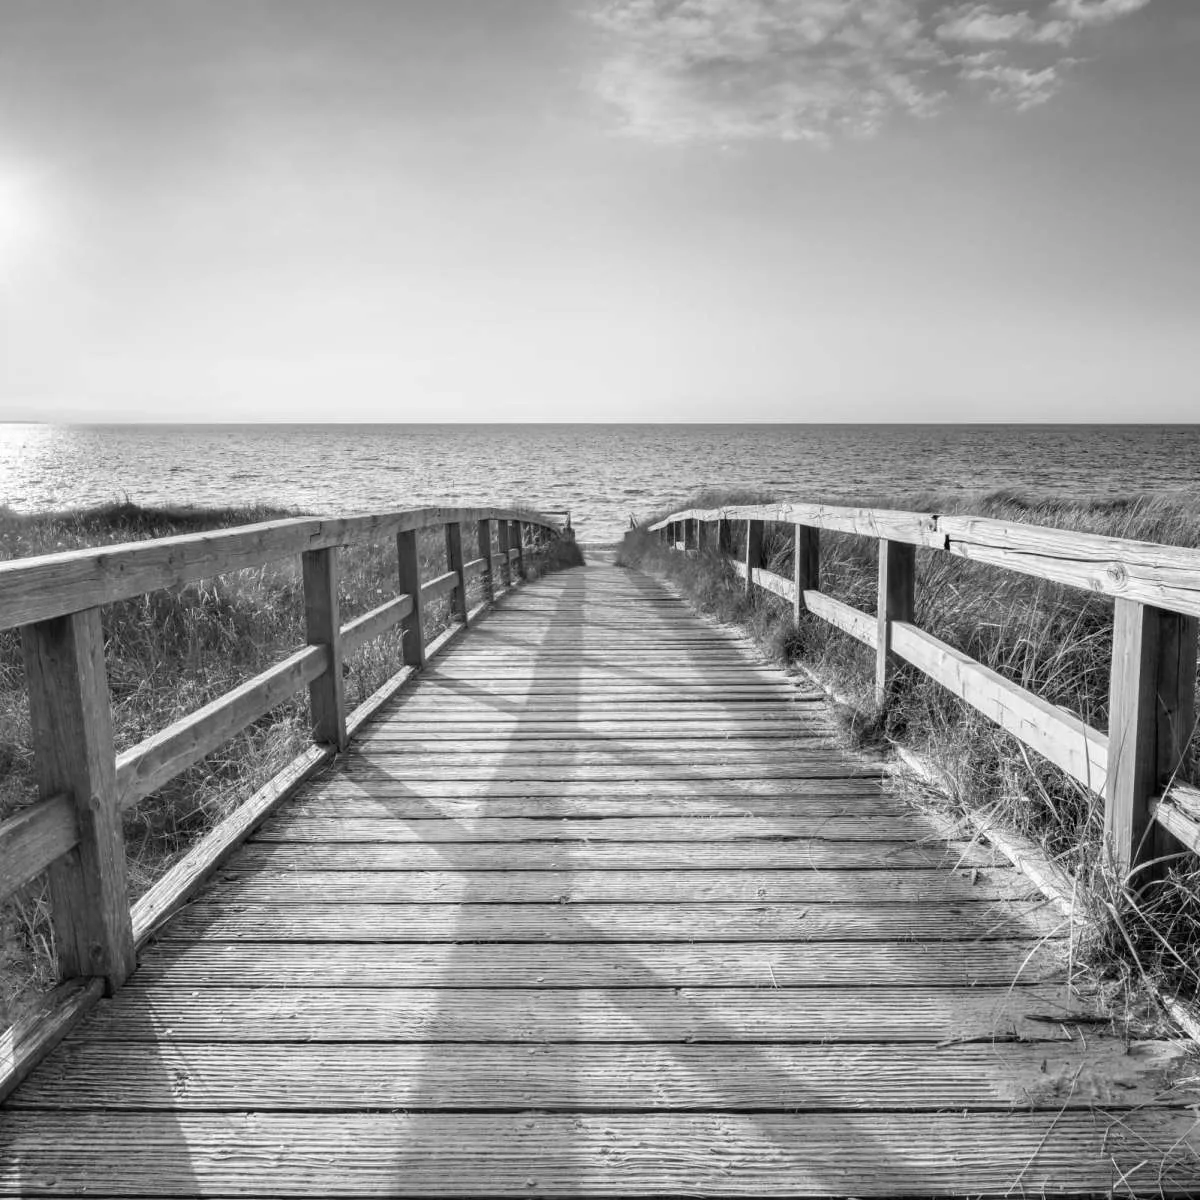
{"x":1055,"y":641}
{"x":170,"y":652}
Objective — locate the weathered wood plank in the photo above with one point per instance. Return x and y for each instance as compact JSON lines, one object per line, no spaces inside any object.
{"x":73,"y":755}
{"x":413,"y":625}
{"x":1178,"y":812}
{"x":483,"y":1014}
{"x":357,"y":802}
{"x":371,"y":624}
{"x":599,"y":1078}
{"x":796,"y":966}
{"x":41,"y":1027}
{"x":1054,"y":733}
{"x":799,"y":853}
{"x":252,"y":884}
{"x":896,"y":602}
{"x":633,"y":922}
{"x":1152,"y":699}
{"x":760,"y":1154}
{"x":857,"y":624}
{"x":34,"y":837}
{"x":433,"y":829}
{"x":382,"y":765}
{"x":177,"y":885}
{"x":147,"y":766}
{"x":323,"y":627}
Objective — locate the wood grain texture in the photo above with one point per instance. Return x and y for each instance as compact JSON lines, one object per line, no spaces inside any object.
{"x":34,"y":837}
{"x":635,"y":1154}
{"x":762,"y":966}
{"x":41,"y":1026}
{"x":73,"y":755}
{"x":370,"y":625}
{"x":648,"y":1077}
{"x":144,"y":768}
{"x":595,"y":921}
{"x":1055,"y":734}
{"x":739,"y":1016}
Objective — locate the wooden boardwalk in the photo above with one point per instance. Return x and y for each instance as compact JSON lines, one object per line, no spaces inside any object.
{"x":597,"y":908}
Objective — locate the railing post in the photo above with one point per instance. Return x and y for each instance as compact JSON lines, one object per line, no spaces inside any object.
{"x":724,"y":536}
{"x":73,"y":753}
{"x":323,"y":627}
{"x":897,"y":602}
{"x":413,"y":626}
{"x":505,"y":561}
{"x":806,"y":565}
{"x":484,"y":545}
{"x":454,"y":562}
{"x":518,"y":528}
{"x":701,"y":536}
{"x":754,"y":553}
{"x":1151,"y":719}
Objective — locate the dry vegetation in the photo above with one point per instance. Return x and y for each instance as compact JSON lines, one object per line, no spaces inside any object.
{"x":168,"y":653}
{"x":1055,"y":641}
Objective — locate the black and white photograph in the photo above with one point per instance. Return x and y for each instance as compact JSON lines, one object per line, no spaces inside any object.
{"x":600,"y":598}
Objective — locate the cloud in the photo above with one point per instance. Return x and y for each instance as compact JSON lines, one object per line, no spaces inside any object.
{"x":809,"y":70}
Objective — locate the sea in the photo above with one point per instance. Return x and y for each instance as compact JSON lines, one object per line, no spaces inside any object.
{"x":605,"y":475}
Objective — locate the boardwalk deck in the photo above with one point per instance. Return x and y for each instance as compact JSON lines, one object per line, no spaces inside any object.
{"x":599,"y":908}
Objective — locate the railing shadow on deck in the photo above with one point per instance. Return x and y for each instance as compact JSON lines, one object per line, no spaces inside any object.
{"x":574,"y":1161}
{"x":73,"y":833}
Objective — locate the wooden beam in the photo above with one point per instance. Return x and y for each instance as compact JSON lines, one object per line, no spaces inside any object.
{"x":144,"y":768}
{"x":484,"y":546}
{"x":845,"y":617}
{"x":413,"y":625}
{"x":378,"y":621}
{"x":724,"y":535}
{"x":1151,"y":719}
{"x":454,"y":561}
{"x":518,"y":537}
{"x":41,"y":1027}
{"x":73,"y":754}
{"x":1057,"y":735}
{"x":897,"y":602}
{"x":806,"y":565}
{"x":1178,"y":812}
{"x":34,"y":837}
{"x":439,"y":585}
{"x":505,"y":559}
{"x":323,"y":627}
{"x":754,"y":554}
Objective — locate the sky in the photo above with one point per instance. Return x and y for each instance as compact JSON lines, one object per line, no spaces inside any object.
{"x":620,"y":210}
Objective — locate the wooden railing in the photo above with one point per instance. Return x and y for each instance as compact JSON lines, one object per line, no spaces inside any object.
{"x":1156,"y":591}
{"x":73,"y":832}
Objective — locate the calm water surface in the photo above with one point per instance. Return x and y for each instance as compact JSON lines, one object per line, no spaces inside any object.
{"x":603,"y":473}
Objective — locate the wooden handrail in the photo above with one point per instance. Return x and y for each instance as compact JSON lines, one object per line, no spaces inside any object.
{"x":1156,"y":589}
{"x":74,"y":830}
{"x":1167,"y":577}
{"x":51,"y":585}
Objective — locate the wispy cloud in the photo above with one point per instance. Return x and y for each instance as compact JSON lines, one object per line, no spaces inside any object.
{"x":808,"y":70}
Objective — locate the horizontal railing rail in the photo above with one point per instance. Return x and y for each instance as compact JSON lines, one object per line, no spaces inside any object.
{"x":1156,"y":592}
{"x":73,"y":831}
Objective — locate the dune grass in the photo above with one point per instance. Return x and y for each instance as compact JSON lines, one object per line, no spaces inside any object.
{"x":1053,"y":640}
{"x":171,"y":651}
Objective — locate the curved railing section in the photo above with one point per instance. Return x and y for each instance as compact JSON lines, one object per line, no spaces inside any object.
{"x":73,"y":831}
{"x":1156,"y":592}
